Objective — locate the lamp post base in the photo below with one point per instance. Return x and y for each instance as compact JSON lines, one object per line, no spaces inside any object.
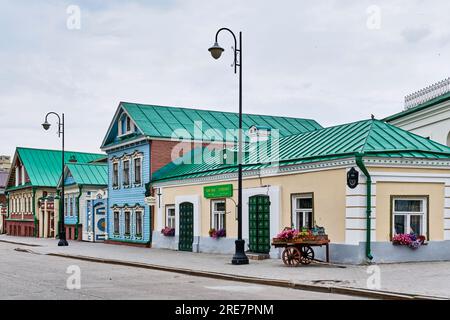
{"x":62,"y":240}
{"x":239,"y":257}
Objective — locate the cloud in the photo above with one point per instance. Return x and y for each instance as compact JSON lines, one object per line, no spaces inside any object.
{"x":300,"y":58}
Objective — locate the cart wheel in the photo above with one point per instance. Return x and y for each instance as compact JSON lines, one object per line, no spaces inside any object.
{"x":307,"y":255}
{"x":291,"y":256}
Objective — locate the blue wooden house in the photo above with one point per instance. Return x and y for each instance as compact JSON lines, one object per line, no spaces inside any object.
{"x":140,"y":140}
{"x":86,"y":200}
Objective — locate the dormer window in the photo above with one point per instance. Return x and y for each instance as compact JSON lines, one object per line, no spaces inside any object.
{"x":126,"y":126}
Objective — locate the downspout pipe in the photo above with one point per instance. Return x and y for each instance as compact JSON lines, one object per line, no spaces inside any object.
{"x":35,"y":233}
{"x":80,"y":189}
{"x":360,"y":163}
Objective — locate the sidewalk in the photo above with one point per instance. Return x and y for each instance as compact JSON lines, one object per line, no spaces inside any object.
{"x":424,"y":279}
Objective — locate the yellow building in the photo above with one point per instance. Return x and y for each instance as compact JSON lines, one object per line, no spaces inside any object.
{"x":364,"y":182}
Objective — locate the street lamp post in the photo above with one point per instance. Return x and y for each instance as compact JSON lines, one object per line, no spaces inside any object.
{"x":62,"y":229}
{"x":216,"y":51}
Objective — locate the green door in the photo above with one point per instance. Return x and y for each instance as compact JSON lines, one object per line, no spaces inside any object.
{"x":186,"y":237}
{"x":259,"y":224}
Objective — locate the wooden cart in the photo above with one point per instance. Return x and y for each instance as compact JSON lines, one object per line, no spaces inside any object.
{"x":300,"y":251}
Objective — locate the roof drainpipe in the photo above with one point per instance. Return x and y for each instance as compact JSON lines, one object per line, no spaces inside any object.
{"x":35,"y":222}
{"x":360,"y":163}
{"x":80,"y":188}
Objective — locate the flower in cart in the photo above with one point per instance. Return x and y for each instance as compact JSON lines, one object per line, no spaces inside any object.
{"x":288,"y":234}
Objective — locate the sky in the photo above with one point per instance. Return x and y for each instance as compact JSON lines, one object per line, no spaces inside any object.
{"x":334,"y":61}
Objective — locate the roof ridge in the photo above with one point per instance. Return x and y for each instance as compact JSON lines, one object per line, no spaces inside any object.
{"x":54,"y":150}
{"x":210,"y":110}
{"x":325,"y":128}
{"x":369,"y":131}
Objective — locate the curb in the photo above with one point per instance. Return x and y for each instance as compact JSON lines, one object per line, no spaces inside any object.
{"x":374,"y":294}
{"x":21,"y":243}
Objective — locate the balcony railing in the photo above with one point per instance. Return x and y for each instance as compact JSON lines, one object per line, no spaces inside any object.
{"x":429,"y":93}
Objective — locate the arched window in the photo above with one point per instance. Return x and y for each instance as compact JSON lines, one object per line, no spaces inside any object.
{"x":448,"y":140}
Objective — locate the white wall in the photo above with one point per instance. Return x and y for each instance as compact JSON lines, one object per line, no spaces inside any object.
{"x":432,"y":122}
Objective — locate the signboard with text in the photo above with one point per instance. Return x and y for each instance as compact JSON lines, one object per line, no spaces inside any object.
{"x":221,"y":191}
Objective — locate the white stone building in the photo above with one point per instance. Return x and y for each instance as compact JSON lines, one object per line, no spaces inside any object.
{"x":427,"y":113}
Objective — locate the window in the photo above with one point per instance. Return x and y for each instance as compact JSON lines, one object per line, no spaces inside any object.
{"x":70,"y":204}
{"x":125,"y":125}
{"x":218,"y":214}
{"x":66,"y":212}
{"x":127,"y":222}
{"x":409,"y":215}
{"x":137,"y":171}
{"x":302,"y":211}
{"x":115,"y":174}
{"x":75,"y":208}
{"x":126,"y":173}
{"x":138,"y":223}
{"x":116,"y":222}
{"x":128,"y":124}
{"x":170,"y":217}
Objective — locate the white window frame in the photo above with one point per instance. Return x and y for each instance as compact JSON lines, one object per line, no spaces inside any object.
{"x":303,"y":211}
{"x":140,"y":158}
{"x":117,"y":185}
{"x":126,"y":159}
{"x":170,"y":220}
{"x":218,"y":218}
{"x":126,"y":118}
{"x":118,"y":222}
{"x":408,"y":215}
{"x":137,"y":212}
{"x":125,"y":211}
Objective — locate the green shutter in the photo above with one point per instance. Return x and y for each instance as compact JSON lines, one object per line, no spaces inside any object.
{"x":259,"y":224}
{"x":186,"y":237}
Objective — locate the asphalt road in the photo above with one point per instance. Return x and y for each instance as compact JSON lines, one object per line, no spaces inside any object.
{"x":30,"y":276}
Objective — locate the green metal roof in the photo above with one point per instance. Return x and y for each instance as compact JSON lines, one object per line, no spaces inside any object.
{"x":44,"y":166}
{"x":89,"y":174}
{"x":420,"y":107}
{"x":161,"y":122}
{"x":369,"y":137}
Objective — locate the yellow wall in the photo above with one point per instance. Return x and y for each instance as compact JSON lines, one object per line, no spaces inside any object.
{"x":436,"y":194}
{"x":329,"y":199}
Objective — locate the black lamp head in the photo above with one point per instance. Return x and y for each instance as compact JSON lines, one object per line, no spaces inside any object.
{"x":216,"y":50}
{"x":46,"y":125}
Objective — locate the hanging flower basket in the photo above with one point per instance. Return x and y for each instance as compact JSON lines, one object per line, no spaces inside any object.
{"x":410,"y":240}
{"x":216,"y":234}
{"x":168,"y":232}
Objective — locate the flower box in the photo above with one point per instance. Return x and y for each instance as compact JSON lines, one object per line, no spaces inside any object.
{"x":168,"y":232}
{"x":410,"y":240}
{"x":216,"y":234}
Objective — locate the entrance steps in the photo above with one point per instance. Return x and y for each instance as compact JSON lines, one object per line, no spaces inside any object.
{"x":257,"y":256}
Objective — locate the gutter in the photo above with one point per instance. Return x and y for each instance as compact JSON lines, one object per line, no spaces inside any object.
{"x":360,"y":163}
{"x":80,"y":187}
